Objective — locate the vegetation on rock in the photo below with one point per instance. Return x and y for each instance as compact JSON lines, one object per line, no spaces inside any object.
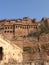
{"x":37,"y":34}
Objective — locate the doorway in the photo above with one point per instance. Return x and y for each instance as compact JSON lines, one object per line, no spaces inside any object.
{"x":1,"y":53}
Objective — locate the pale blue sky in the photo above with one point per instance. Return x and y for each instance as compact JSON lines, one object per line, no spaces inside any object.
{"x":20,"y":8}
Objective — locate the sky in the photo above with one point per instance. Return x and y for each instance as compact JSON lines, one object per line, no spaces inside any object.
{"x":13,"y":9}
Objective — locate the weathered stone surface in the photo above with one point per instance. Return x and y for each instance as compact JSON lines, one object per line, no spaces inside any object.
{"x":14,"y":37}
{"x":10,"y":51}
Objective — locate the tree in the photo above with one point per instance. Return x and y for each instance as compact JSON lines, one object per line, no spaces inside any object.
{"x":44,"y":29}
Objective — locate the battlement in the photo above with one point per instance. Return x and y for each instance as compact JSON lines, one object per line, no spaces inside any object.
{"x":20,"y":27}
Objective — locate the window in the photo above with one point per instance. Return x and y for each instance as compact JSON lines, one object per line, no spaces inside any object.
{"x":5,"y":27}
{"x":10,"y":31}
{"x":10,"y":27}
{"x":16,"y":26}
{"x":4,"y":31}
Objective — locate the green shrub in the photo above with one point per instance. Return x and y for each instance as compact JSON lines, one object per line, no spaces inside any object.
{"x":27,"y":49}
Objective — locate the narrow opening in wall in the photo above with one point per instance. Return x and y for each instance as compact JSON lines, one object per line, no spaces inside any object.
{"x":1,"y":53}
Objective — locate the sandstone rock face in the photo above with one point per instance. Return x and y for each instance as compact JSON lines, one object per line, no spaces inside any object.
{"x":9,"y":51}
{"x":14,"y":39}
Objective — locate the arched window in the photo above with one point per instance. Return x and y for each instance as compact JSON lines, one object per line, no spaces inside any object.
{"x":11,"y":31}
{"x":4,"y":31}
{"x":5,"y":27}
{"x":8,"y":31}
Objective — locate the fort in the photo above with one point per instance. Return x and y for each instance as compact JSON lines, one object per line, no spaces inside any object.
{"x":16,"y":44}
{"x":19,"y":27}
